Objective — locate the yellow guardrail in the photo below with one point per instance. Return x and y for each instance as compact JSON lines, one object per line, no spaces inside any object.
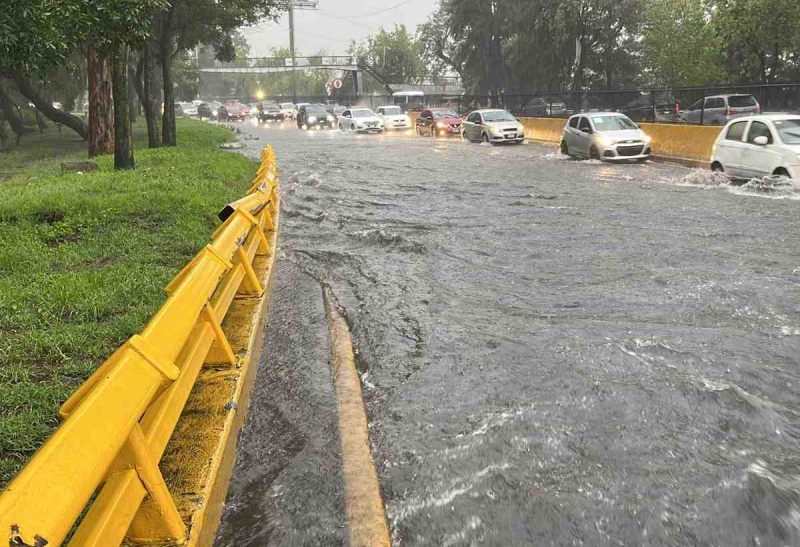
{"x":97,"y":478}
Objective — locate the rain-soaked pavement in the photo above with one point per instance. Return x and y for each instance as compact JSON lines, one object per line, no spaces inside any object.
{"x":553,"y":352}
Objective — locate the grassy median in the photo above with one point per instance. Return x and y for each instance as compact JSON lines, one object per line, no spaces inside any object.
{"x":83,"y":259}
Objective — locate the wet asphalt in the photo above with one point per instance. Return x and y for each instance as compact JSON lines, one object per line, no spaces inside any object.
{"x":553,"y":352}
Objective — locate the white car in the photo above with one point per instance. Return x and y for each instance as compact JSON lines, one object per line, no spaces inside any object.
{"x":494,"y":126}
{"x":289,"y":110}
{"x":393,"y":117}
{"x":189,"y":109}
{"x":757,"y":146}
{"x":606,"y":136}
{"x":362,"y":120}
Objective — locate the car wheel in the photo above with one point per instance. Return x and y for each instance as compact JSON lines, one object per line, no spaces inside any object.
{"x":716,"y":167}
{"x":433,"y":132}
{"x":594,"y":154}
{"x":484,"y":137}
{"x":564,"y":148}
{"x":781,"y":172}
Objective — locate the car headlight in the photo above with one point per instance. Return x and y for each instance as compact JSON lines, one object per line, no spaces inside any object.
{"x":330,"y":118}
{"x":312,"y":119}
{"x":605,"y":141}
{"x":213,"y":112}
{"x":441,"y":125}
{"x":647,"y":139}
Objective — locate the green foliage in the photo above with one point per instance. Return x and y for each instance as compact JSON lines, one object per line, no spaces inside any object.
{"x":395,"y":54}
{"x":761,"y":38}
{"x":83,"y":259}
{"x":680,"y":45}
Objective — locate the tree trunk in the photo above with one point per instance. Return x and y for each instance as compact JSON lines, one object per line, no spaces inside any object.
{"x":123,"y":150}
{"x":168,"y":127}
{"x":150,"y":96}
{"x":11,"y":115}
{"x":44,"y":106}
{"x":101,"y":105}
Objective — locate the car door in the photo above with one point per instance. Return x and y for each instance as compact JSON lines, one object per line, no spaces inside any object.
{"x":731,"y":149}
{"x":469,"y":126}
{"x":714,"y":111}
{"x":346,"y":121}
{"x":760,"y":160}
{"x":570,"y":133}
{"x":583,"y":138}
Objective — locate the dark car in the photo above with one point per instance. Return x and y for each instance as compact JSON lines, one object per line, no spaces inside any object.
{"x":336,"y":110}
{"x":204,"y":111}
{"x":270,"y":112}
{"x":314,"y":116}
{"x":662,"y":107}
{"x":435,"y":123}
{"x":233,"y":111}
{"x":543,"y":107}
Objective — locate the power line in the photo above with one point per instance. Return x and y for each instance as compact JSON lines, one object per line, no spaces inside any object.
{"x":365,"y":15}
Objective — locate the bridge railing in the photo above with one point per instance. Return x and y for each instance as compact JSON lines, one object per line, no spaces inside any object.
{"x":97,"y":477}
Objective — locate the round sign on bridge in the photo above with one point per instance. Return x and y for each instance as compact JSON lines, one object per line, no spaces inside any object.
{"x":338,"y":83}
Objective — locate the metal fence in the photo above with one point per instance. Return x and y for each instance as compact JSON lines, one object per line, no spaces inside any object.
{"x":692,"y":105}
{"x":695,"y":105}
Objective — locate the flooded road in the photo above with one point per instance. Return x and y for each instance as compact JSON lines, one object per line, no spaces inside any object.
{"x":553,"y":352}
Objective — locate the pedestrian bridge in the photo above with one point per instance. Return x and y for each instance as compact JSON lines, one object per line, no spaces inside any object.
{"x":268,"y":65}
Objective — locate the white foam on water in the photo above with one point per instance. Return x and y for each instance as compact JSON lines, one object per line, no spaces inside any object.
{"x":472,"y":524}
{"x":444,"y":497}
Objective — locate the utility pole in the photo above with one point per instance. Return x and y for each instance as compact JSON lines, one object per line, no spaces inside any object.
{"x":291,"y":47}
{"x":293,"y":5}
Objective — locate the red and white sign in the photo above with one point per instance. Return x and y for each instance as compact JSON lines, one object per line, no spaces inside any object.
{"x":338,"y":83}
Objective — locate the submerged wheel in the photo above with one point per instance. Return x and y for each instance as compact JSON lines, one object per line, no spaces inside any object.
{"x":594,"y":154}
{"x":484,"y":137}
{"x":716,"y":167}
{"x":781,"y":172}
{"x":564,"y":148}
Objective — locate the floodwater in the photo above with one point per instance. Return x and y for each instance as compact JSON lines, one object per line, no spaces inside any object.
{"x":553,"y":352}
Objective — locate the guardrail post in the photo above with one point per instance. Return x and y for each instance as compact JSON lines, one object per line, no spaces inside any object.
{"x":250,"y":283}
{"x":221,"y":351}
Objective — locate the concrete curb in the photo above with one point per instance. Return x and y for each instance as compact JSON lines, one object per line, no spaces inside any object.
{"x":366,"y":515}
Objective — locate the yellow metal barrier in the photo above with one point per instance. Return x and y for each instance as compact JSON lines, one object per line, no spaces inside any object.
{"x":675,"y":141}
{"x":98,"y":476}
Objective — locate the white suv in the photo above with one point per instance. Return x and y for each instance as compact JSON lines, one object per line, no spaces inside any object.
{"x":756,"y":146}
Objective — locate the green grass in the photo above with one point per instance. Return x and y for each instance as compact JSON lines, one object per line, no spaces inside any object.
{"x":83,"y":259}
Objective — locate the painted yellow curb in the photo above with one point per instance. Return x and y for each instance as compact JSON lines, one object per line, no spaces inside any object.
{"x":366,"y":516}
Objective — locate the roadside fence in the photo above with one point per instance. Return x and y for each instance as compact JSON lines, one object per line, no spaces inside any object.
{"x":97,"y":481}
{"x":711,"y":105}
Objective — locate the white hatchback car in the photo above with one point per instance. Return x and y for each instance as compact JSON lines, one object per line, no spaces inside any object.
{"x":756,"y":146}
{"x":393,"y":117}
{"x":606,"y":136}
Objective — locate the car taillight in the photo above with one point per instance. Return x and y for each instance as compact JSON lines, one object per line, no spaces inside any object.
{"x":732,"y":111}
{"x":758,"y":109}
{"x":677,"y":108}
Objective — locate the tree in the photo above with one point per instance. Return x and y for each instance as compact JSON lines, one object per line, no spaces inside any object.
{"x":439,"y":49}
{"x":396,"y":55}
{"x":680,"y":47}
{"x":188,"y":23}
{"x":761,"y":38}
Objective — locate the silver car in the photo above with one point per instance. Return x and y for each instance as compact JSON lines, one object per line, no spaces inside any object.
{"x":720,"y":109}
{"x":494,"y":126}
{"x":607,"y":136}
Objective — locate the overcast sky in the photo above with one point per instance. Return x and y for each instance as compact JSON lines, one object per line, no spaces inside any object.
{"x":336,"y":23}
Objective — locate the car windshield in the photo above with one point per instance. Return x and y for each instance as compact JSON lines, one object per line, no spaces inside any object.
{"x":498,"y":116}
{"x":362,"y":113}
{"x":287,"y":105}
{"x":741,"y":101}
{"x":612,"y":123}
{"x":392,"y":111}
{"x":789,"y":130}
{"x":439,"y":114}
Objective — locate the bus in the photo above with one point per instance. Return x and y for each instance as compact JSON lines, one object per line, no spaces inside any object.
{"x":409,"y":101}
